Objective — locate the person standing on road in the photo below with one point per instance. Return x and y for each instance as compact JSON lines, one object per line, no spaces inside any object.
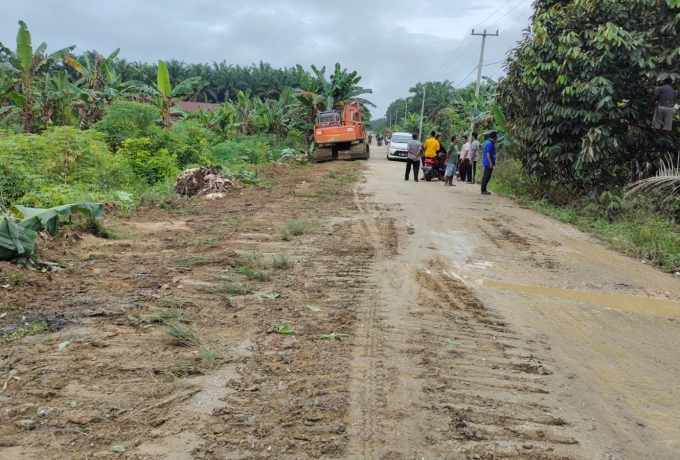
{"x":441,"y":156}
{"x":488,"y":161}
{"x":464,"y":160}
{"x":414,"y":148}
{"x":370,"y":139}
{"x":451,"y":162}
{"x":474,"y":151}
{"x":664,"y":95}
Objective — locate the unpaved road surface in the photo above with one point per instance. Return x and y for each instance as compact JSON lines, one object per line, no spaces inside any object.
{"x":441,"y":362}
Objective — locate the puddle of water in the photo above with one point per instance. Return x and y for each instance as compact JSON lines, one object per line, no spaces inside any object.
{"x":644,"y":305}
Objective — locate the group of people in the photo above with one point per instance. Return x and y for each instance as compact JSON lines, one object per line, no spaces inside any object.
{"x":453,"y":159}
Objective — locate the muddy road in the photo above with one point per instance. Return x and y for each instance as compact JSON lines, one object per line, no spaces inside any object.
{"x":476,"y":330}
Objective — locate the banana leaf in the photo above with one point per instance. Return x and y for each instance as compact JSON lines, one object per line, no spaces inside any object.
{"x":36,"y":219}
{"x":15,"y":240}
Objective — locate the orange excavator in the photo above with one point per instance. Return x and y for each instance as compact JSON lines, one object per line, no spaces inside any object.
{"x":341,"y":136}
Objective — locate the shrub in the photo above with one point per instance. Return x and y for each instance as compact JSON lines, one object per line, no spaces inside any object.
{"x":60,"y":166}
{"x":190,"y":142}
{"x":126,"y":120}
{"x":243,"y":149}
{"x":154,"y":166}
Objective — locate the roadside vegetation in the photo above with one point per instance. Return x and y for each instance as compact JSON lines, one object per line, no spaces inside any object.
{"x":94,"y":128}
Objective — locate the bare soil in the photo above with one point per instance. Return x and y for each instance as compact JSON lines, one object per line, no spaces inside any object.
{"x":435,"y":366}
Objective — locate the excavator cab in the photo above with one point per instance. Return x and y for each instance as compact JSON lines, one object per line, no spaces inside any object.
{"x":325,"y":119}
{"x":341,"y":136}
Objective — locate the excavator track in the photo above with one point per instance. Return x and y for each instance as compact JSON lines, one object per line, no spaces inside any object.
{"x":360,"y":151}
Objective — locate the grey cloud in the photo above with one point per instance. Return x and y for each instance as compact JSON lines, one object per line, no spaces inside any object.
{"x":391,"y":43}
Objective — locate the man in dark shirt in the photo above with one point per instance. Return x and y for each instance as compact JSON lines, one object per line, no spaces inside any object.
{"x":665,"y":97}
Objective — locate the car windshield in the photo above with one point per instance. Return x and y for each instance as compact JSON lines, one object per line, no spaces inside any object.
{"x":401,"y":139}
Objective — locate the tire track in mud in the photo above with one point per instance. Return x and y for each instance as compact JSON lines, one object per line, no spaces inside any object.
{"x":489,"y":387}
{"x":416,"y":396}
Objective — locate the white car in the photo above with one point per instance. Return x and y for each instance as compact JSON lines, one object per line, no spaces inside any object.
{"x":397,"y":150}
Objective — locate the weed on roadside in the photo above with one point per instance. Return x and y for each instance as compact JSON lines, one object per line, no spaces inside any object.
{"x":282,"y":262}
{"x":232,"y":222}
{"x":191,"y":260}
{"x":184,"y":335}
{"x":208,"y":355}
{"x":256,"y":274}
{"x":168,"y":315}
{"x":202,"y":241}
{"x":296,"y":227}
{"x":251,"y":259}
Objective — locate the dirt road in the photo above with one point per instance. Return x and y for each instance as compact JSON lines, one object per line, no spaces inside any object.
{"x":532,"y":376}
{"x":456,"y":349}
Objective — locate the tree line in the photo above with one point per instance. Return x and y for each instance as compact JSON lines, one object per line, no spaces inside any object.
{"x":39,"y":89}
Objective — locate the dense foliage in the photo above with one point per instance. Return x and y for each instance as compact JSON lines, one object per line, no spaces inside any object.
{"x":578,"y":90}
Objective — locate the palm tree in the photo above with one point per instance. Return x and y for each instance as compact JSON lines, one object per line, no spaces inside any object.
{"x":27,"y":65}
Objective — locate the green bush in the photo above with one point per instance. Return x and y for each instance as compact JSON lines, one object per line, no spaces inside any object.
{"x":243,"y":149}
{"x":126,"y":120}
{"x":190,"y":142}
{"x":153,"y":165}
{"x":59,"y":166}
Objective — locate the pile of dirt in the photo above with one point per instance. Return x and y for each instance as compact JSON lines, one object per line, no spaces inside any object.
{"x":201,"y":181}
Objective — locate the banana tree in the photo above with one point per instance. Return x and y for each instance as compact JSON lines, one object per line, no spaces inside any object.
{"x":27,"y":64}
{"x":104,"y":85}
{"x":163,"y":95}
{"x":58,"y":95}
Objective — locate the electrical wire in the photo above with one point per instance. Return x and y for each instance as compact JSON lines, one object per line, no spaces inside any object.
{"x":516,"y":18}
{"x":509,"y":11}
{"x":463,"y":80}
{"x":461,"y":43}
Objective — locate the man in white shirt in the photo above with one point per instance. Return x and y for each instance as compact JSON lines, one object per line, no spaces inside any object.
{"x":464,"y":160}
{"x":474,"y":151}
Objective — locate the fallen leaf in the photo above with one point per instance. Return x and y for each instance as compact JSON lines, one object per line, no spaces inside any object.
{"x":313,"y":308}
{"x":63,"y":345}
{"x":451,"y":342}
{"x":117,"y":449}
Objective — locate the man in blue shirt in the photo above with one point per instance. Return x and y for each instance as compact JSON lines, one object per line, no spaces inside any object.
{"x":488,"y":161}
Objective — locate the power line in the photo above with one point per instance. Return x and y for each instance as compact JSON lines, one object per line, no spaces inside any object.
{"x":508,"y":12}
{"x":516,"y":18}
{"x":461,"y":43}
{"x":461,"y":82}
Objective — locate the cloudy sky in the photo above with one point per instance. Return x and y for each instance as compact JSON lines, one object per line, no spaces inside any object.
{"x":393,"y":44}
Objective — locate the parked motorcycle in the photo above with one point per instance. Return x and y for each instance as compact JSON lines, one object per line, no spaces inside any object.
{"x":431,"y":169}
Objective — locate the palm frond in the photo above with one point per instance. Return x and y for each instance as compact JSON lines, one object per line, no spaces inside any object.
{"x":666,"y":181}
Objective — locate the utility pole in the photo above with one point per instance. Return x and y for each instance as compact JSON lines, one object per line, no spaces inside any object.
{"x":406,"y":113}
{"x":479,"y":70}
{"x":422,"y":111}
{"x":390,"y":121}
